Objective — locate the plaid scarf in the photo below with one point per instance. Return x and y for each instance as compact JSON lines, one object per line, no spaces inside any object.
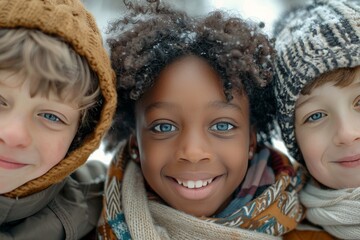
{"x":266,"y":203}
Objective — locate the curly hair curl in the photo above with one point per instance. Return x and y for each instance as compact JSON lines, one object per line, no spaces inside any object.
{"x":150,"y":38}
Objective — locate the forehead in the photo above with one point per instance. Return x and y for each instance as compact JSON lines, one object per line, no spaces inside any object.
{"x":327,"y":90}
{"x":36,"y":87}
{"x":189,"y":72}
{"x":10,"y":78}
{"x":189,"y":81}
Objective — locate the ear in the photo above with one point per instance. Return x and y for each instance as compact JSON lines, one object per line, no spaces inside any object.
{"x":253,"y":142}
{"x":133,"y":148}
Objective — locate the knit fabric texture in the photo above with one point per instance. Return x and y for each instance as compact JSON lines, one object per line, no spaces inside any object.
{"x":69,"y":20}
{"x":337,"y":211}
{"x":316,"y":38}
{"x":265,"y":205}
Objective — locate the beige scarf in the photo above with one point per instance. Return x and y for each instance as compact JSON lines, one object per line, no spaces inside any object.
{"x":337,"y":211}
{"x":153,"y":220}
{"x":132,"y":212}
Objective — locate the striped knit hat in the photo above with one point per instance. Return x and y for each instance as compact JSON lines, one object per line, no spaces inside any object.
{"x":68,"y":20}
{"x":316,"y":38}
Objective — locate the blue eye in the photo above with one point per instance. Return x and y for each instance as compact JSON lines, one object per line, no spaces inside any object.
{"x":222,"y":126}
{"x":164,"y":128}
{"x":315,"y":117}
{"x":51,"y":117}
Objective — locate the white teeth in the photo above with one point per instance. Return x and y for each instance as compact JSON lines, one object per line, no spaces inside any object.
{"x":195,"y":184}
{"x":198,"y":184}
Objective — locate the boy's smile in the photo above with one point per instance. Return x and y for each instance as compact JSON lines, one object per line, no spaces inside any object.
{"x":193,"y":144}
{"x":330,"y":117}
{"x":7,"y":163}
{"x":35,"y":132}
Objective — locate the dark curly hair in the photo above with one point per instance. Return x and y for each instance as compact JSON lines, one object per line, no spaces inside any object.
{"x":149,"y":38}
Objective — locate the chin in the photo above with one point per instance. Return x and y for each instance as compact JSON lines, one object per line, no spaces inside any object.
{"x":198,"y":212}
{"x":5,"y":190}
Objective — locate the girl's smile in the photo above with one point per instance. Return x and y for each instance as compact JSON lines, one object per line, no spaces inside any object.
{"x":193,"y":144}
{"x":196,"y":189}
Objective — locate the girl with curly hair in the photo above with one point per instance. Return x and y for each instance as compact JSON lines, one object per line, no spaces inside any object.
{"x":193,"y":156}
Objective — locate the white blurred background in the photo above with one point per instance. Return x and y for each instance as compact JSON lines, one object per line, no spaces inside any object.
{"x":267,"y":11}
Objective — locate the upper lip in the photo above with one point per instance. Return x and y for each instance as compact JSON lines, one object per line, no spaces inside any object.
{"x":196,"y":184}
{"x":350,"y":158}
{"x":10,"y":160}
{"x":193,"y":176}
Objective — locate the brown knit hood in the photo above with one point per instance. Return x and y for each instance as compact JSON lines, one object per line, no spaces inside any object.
{"x":69,"y":20}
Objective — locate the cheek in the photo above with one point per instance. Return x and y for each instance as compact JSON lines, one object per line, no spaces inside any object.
{"x":238,"y":146}
{"x":306,"y":148}
{"x":54,"y":147}
{"x":153,"y":154}
{"x":236,"y":164}
{"x":234,"y":155}
{"x":312,"y":147}
{"x":55,"y":153}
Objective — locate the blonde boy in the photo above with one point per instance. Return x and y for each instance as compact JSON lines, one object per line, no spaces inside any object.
{"x":57,"y":98}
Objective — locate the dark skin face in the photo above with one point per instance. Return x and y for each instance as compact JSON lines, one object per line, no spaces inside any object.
{"x":193,"y":145}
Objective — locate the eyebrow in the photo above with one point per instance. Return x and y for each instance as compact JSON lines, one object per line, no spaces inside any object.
{"x":157,"y":105}
{"x":2,"y":98}
{"x":353,"y":85}
{"x":228,"y":105}
{"x":303,"y":103}
{"x":170,"y":106}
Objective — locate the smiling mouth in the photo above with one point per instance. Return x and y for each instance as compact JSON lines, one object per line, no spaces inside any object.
{"x":191,"y":184}
{"x":196,"y":189}
{"x":10,"y":165}
{"x":350,"y":163}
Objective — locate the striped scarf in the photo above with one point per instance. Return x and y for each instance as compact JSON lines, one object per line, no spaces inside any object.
{"x":266,"y":203}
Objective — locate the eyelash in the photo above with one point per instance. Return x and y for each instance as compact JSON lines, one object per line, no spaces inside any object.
{"x":309,"y":120}
{"x":3,"y":102}
{"x":229,"y":125}
{"x":158,"y":128}
{"x":49,"y":117}
{"x":357,"y":102}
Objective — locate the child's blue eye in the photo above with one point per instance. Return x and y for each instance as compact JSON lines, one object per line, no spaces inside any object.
{"x":51,"y":117}
{"x":164,"y":127}
{"x":222,"y":126}
{"x":315,"y":117}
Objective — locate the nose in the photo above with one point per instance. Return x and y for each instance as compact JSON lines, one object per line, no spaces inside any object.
{"x":14,"y":132}
{"x":346,"y":132}
{"x":193,"y":146}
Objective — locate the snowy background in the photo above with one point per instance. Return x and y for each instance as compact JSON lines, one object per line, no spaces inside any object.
{"x":267,"y":11}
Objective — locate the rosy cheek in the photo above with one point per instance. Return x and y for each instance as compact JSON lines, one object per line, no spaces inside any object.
{"x":57,"y":152}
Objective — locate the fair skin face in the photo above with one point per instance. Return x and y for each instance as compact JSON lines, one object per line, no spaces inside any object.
{"x":35,"y":132}
{"x":328,"y":133}
{"x":193,"y":144}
